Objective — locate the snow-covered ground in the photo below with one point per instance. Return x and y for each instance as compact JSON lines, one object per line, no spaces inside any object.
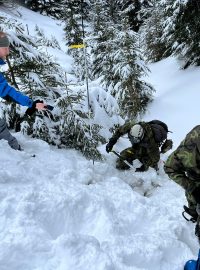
{"x":177,"y":97}
{"x":59,"y":211}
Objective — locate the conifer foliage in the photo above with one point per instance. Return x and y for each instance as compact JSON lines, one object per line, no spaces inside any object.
{"x":185,"y":36}
{"x":50,"y":8}
{"x":74,"y":30}
{"x":151,"y":32}
{"x":35,"y":73}
{"x":53,"y":8}
{"x":118,"y":60}
{"x":132,"y":10}
{"x":172,"y":28}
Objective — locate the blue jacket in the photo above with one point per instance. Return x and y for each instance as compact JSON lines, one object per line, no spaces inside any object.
{"x":7,"y":90}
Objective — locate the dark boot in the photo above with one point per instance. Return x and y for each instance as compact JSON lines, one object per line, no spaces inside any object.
{"x":191,"y":212}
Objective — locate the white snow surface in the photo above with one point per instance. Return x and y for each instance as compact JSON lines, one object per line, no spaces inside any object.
{"x":59,"y":211}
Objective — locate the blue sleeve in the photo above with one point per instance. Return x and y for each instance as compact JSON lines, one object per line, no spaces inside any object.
{"x":7,"y":90}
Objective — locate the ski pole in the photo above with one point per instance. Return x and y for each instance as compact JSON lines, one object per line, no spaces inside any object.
{"x":125,"y":161}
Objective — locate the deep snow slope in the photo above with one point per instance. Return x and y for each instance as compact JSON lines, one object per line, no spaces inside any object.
{"x":177,"y":97}
{"x":59,"y":211}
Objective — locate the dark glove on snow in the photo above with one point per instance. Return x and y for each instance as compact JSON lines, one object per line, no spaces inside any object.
{"x":141,"y":169}
{"x":110,"y":145}
{"x":196,"y":194}
{"x":32,"y":110}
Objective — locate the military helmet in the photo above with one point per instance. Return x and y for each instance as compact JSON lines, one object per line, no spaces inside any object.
{"x":136,"y":133}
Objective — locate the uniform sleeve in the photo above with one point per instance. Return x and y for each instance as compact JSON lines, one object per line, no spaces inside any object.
{"x":7,"y":90}
{"x":122,"y":130}
{"x":175,"y":170}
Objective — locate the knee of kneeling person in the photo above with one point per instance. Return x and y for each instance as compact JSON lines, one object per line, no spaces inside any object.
{"x":120,"y":165}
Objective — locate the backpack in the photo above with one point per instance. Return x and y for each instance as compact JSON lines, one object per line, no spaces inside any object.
{"x":160,"y":130}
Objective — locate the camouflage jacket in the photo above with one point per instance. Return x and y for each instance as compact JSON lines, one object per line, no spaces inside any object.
{"x":183,"y":165}
{"x":147,"y":148}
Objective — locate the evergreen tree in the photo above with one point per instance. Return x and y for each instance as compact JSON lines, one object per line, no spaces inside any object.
{"x":186,"y":32}
{"x":117,"y":59}
{"x":151,"y":33}
{"x":170,"y":12}
{"x":34,"y":5}
{"x":37,"y":75}
{"x":9,"y":3}
{"x":47,"y":7}
{"x":72,"y":19}
{"x":103,"y":46}
{"x":133,"y":9}
{"x":75,"y":29}
{"x":53,"y":8}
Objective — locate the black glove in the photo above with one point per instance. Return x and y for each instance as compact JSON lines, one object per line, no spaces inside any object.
{"x":141,"y":169}
{"x":167,"y":145}
{"x":110,"y":145}
{"x":32,"y":110}
{"x":196,"y":194}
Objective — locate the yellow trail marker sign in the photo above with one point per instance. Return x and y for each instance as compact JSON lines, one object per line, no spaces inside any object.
{"x":77,"y":46}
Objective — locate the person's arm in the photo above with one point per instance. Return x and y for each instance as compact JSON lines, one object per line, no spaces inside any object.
{"x":7,"y":91}
{"x":118,"y":133}
{"x":122,"y":130}
{"x":175,"y":170}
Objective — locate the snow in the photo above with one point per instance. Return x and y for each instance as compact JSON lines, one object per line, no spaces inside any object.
{"x":177,"y":97}
{"x":59,"y":211}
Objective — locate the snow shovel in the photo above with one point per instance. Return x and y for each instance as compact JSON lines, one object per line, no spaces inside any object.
{"x":125,"y":161}
{"x":128,"y":163}
{"x":192,"y":264}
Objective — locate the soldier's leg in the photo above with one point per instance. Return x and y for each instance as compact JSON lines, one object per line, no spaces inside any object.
{"x":6,"y":135}
{"x":128,"y":155}
{"x":191,"y":201}
{"x":191,"y":209}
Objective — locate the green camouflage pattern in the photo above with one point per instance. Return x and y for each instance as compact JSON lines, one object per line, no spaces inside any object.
{"x":122,"y":130}
{"x":183,"y":165}
{"x":147,"y":151}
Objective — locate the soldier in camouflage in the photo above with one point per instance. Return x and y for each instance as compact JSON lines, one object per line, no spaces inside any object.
{"x":183,"y":167}
{"x":144,"y":146}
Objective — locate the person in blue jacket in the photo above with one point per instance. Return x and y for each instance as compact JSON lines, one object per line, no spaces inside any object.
{"x":8,"y":92}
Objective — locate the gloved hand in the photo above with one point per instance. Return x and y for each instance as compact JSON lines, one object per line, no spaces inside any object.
{"x":167,"y":145}
{"x":32,"y":110}
{"x":110,"y":145}
{"x":141,"y":169}
{"x":196,"y":194}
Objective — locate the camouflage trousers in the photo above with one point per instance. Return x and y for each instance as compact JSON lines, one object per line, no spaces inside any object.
{"x":190,"y":199}
{"x":130,"y":155}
